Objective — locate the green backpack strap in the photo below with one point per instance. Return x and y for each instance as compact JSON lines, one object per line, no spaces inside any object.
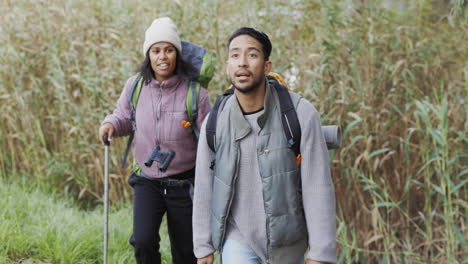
{"x":136,"y":93}
{"x":132,"y":101}
{"x":193,"y":93}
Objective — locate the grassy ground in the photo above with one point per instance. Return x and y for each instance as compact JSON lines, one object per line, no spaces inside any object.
{"x":40,"y":227}
{"x":394,"y":80}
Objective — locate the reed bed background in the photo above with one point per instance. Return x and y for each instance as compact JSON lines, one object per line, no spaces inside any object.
{"x":391,"y":74}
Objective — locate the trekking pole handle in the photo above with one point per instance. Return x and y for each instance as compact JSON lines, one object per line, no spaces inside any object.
{"x":105,"y":138}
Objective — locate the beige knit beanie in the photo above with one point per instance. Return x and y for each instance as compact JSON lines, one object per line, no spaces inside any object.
{"x":162,"y":29}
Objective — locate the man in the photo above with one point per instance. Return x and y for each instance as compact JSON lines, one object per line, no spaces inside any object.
{"x":257,"y":205}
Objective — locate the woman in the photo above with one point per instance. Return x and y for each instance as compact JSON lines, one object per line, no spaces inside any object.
{"x":160,"y":188}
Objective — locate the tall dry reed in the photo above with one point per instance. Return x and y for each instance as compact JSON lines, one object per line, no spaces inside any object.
{"x":395,"y":81}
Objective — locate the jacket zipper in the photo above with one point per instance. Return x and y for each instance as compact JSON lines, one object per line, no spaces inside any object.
{"x":230,"y":201}
{"x":158,"y":118}
{"x":266,"y":151}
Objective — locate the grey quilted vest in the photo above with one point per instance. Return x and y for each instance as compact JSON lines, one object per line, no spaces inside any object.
{"x":285,"y":221}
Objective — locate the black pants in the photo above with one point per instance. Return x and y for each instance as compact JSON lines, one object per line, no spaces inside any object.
{"x":152,"y":199}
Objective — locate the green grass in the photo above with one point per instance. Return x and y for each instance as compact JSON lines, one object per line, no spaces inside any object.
{"x":38,"y":227}
{"x":395,"y":81}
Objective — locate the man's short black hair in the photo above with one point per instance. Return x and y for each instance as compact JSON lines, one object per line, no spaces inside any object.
{"x":258,"y":35}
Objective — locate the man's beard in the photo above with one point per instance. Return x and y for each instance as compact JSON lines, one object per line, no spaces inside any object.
{"x":251,"y":88}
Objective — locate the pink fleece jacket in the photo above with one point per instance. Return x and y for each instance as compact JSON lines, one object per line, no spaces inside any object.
{"x":159,"y":113}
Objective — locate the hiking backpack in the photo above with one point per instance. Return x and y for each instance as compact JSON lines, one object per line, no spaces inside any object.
{"x":198,"y":67}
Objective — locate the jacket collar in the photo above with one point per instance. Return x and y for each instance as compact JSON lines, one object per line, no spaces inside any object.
{"x":168,"y":85}
{"x":241,"y":125}
{"x":269,"y":104}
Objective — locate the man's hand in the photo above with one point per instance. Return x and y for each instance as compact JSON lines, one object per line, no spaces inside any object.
{"x":206,"y":260}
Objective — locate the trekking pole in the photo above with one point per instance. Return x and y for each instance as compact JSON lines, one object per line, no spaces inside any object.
{"x":106,"y":194}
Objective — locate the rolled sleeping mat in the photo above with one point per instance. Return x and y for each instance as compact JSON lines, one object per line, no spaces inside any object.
{"x":332,"y":136}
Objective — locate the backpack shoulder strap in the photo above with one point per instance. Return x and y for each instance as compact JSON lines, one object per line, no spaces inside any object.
{"x":193,"y":93}
{"x":136,"y":90}
{"x":132,"y":101}
{"x":289,"y":118}
{"x":213,"y":119}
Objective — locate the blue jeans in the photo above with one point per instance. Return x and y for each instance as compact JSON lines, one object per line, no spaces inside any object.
{"x":235,"y":252}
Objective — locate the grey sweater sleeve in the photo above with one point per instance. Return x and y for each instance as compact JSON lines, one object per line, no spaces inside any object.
{"x":317,"y":186}
{"x":202,"y":198}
